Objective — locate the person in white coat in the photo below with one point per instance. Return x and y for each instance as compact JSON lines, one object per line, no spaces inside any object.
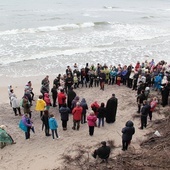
{"x":15,"y":105}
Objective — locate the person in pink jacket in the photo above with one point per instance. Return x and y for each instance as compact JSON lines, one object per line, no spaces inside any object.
{"x":91,"y":119}
{"x":47,"y":101}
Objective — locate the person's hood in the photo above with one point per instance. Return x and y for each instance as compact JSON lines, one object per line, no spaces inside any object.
{"x":77,"y":98}
{"x":129,"y":123}
{"x":83,"y":100}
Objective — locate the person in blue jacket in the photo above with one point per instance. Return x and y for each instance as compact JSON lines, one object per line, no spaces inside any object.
{"x":53,"y":126}
{"x":128,"y":132}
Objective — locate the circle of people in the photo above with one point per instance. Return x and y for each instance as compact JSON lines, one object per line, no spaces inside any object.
{"x":143,"y":77}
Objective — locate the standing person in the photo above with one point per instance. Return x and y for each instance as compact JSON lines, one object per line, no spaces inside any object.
{"x":75,"y":100}
{"x":111,"y":109}
{"x":102,"y":78}
{"x":101,"y":114}
{"x":29,"y":86}
{"x":47,"y":101}
{"x":40,"y":105}
{"x":153,"y":104}
{"x":77,"y":112}
{"x":84,"y":105}
{"x":91,"y":119}
{"x":165,"y":93}
{"x":128,"y":132}
{"x":61,"y":98}
{"x":53,"y":126}
{"x":27,"y":106}
{"x":64,"y":113}
{"x":95,"y":106}
{"x":140,"y":99}
{"x":26,"y":125}
{"x":144,"y":113}
{"x":68,"y":82}
{"x":54,"y":95}
{"x":15,"y":105}
{"x":70,"y":96}
{"x":46,"y":83}
{"x":10,"y":91}
{"x":45,"y":121}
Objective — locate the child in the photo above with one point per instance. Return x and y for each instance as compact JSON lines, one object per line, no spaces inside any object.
{"x":91,"y":123}
{"x":53,"y":126}
{"x":40,"y":105}
{"x":101,"y":114}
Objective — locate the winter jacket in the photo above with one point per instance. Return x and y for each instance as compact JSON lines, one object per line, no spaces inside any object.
{"x":53,"y":123}
{"x":45,"y":120}
{"x":47,"y":99}
{"x":40,"y":105}
{"x":75,"y":100}
{"x":61,"y":98}
{"x":15,"y":102}
{"x":26,"y":105}
{"x":91,"y":119}
{"x":83,"y":104}
{"x":95,"y":106}
{"x":26,"y":121}
{"x":101,"y":112}
{"x":77,"y":112}
{"x":64,"y":112}
{"x":128,"y":131}
{"x":153,"y":104}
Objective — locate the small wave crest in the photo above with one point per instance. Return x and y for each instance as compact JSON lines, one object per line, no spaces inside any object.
{"x":53,"y":28}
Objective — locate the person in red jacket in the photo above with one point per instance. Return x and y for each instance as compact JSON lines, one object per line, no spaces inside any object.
{"x":77,"y":112}
{"x":95,"y":106}
{"x":91,"y":119}
{"x":61,"y":98}
{"x":47,"y":101}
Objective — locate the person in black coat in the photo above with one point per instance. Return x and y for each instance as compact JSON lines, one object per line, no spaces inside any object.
{"x":128,"y":132}
{"x":165,"y":93}
{"x":70,"y":96}
{"x":102,"y":152}
{"x":101,"y":114}
{"x":140,"y":98}
{"x":84,"y":105}
{"x":111,"y":109}
{"x":45,"y":122}
{"x":144,"y":114}
{"x":64,"y":112}
{"x":54,"y":95}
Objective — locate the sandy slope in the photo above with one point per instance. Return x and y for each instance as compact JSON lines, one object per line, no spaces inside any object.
{"x":42,"y":152}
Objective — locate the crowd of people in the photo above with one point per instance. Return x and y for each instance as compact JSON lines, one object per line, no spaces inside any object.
{"x":143,"y":77}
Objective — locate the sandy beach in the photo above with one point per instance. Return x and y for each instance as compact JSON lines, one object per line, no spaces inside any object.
{"x":41,"y":152}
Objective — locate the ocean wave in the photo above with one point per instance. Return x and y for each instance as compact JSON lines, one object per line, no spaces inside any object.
{"x":53,"y":28}
{"x":148,"y":17}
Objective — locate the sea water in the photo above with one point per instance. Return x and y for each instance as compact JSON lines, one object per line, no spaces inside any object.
{"x":44,"y":36}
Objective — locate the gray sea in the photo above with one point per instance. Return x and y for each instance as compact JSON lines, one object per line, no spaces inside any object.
{"x":39,"y":37}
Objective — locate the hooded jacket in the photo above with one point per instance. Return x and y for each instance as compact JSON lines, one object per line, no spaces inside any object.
{"x":15,"y":102}
{"x":77,"y":112}
{"x":40,"y":105}
{"x":47,"y":99}
{"x":128,"y":131}
{"x":91,"y":119}
{"x":83,"y":104}
{"x":61,"y":98}
{"x":64,"y":112}
{"x":53,"y":123}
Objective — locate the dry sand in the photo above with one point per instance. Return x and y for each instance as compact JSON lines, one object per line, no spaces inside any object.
{"x":42,"y":152}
